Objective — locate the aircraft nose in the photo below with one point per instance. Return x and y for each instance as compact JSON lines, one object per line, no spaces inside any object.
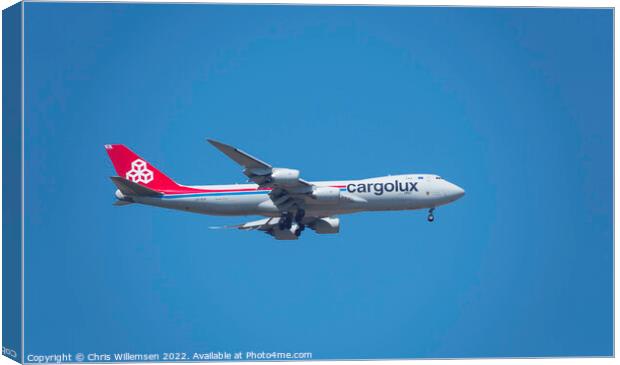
{"x":457,"y":192}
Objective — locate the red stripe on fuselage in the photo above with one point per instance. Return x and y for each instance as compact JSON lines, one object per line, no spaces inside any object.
{"x":189,"y":190}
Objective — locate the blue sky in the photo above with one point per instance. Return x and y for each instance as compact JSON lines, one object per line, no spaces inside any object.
{"x":514,"y":105}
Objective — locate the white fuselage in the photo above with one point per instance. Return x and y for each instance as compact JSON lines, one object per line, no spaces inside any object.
{"x":396,"y":192}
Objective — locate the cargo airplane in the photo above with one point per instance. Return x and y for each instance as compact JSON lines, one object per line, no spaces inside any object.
{"x":288,"y":202}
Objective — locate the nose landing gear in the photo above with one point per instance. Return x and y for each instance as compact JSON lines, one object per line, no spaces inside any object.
{"x":431,"y":217}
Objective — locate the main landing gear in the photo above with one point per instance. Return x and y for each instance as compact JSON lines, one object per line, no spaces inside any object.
{"x":286,"y":221}
{"x":299,"y":229}
{"x":431,"y":217}
{"x":299,"y":217}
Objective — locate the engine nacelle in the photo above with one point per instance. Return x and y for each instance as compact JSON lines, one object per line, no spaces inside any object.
{"x":328,"y":225}
{"x":326,"y":194}
{"x":284,"y":176}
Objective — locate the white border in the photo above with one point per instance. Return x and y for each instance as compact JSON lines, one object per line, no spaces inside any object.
{"x":544,"y":3}
{"x":23,"y":220}
{"x":463,"y":3}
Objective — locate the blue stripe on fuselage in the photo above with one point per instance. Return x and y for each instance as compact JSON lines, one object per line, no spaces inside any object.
{"x":178,"y":196}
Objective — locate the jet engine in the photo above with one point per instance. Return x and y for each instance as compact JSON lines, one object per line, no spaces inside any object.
{"x":284,"y":176}
{"x":326,"y":194}
{"x":327,"y":225}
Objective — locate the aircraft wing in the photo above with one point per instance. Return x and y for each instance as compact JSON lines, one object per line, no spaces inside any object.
{"x":261,"y":172}
{"x":265,"y":224}
{"x":271,"y":227}
{"x":240,"y":157}
{"x":287,"y":188}
{"x":268,"y":226}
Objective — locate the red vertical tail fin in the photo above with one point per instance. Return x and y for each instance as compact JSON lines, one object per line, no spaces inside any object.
{"x":132,"y":167}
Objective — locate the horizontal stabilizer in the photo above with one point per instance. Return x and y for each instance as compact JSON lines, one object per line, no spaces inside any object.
{"x":120,"y":203}
{"x":128,"y":187}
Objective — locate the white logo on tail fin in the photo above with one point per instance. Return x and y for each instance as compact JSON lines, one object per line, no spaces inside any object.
{"x":139,"y":172}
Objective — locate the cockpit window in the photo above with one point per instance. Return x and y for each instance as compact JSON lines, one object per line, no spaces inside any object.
{"x":438,"y":177}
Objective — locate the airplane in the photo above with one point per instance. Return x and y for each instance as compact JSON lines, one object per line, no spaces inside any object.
{"x":288,"y":202}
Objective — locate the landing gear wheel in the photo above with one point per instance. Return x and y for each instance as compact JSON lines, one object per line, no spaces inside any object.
{"x":431,"y":217}
{"x":299,"y":230}
{"x":299,"y":216}
{"x":286,"y":221}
